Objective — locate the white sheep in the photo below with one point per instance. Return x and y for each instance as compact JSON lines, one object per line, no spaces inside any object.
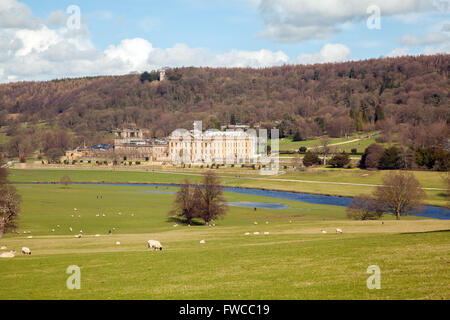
{"x":202,"y":241}
{"x":30,"y":237}
{"x":154,"y":245}
{"x":10,"y":254}
{"x":247,"y":233}
{"x":256,"y":233}
{"x":53,"y":230}
{"x":338,"y":230}
{"x":266,"y":233}
{"x":117,"y":243}
{"x":97,"y":235}
{"x":323,"y":231}
{"x":255,"y":223}
{"x":70,"y":229}
{"x":26,"y":250}
{"x":3,"y":248}
{"x":78,"y":236}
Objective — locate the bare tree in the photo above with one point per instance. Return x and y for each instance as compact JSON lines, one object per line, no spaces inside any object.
{"x":65,"y":180}
{"x":296,"y":161}
{"x":211,"y":204}
{"x":400,"y":193}
{"x":9,"y":204}
{"x":363,"y":207}
{"x":186,"y":203}
{"x":325,"y":148}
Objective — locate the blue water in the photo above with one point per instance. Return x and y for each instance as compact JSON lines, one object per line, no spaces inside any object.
{"x":262,"y":205}
{"x":428,"y":212}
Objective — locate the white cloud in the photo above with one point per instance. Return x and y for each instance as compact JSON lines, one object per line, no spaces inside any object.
{"x":299,"y":20}
{"x":431,"y":38}
{"x":329,"y":53}
{"x":443,"y":48}
{"x":14,"y":14}
{"x":37,"y":52}
{"x":57,"y":19}
{"x":398,"y":52}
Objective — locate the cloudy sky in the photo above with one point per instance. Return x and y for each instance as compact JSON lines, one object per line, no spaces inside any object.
{"x":48,"y":39}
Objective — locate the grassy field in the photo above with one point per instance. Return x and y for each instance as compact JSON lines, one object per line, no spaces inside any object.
{"x":286,"y":144}
{"x":295,"y":261}
{"x":342,"y":182}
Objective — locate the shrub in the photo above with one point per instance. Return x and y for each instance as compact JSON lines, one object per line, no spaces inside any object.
{"x":371,"y":157}
{"x":340,"y":160}
{"x":311,"y":159}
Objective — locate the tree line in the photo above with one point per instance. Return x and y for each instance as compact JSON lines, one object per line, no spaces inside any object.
{"x":400,"y":96}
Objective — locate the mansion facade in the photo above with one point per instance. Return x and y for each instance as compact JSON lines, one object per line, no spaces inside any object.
{"x":193,"y":147}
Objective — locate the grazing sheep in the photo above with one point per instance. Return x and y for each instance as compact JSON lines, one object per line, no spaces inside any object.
{"x":104,"y":215}
{"x":81,"y":231}
{"x":255,"y":223}
{"x":3,"y":248}
{"x":266,"y":233}
{"x":30,"y":237}
{"x":154,"y":245}
{"x":10,"y":254}
{"x":256,"y":233}
{"x":26,"y":250}
{"x":78,"y":236}
{"x":247,"y":233}
{"x":53,"y":230}
{"x":267,"y":222}
{"x":97,"y":235}
{"x":202,"y":241}
{"x":117,"y":243}
{"x":338,"y":230}
{"x":323,"y":231}
{"x":70,"y":229}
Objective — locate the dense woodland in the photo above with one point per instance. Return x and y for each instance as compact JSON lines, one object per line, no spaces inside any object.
{"x":407,"y":97}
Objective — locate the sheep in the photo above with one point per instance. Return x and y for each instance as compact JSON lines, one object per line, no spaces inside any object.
{"x":104,"y":215}
{"x":202,"y":241}
{"x":81,"y":231}
{"x":154,"y":245}
{"x":75,"y":209}
{"x":267,"y":222}
{"x":338,"y":230}
{"x":256,"y":233}
{"x":266,"y":233}
{"x":3,"y":248}
{"x":78,"y":236}
{"x":323,"y":231}
{"x":53,"y":230}
{"x":10,"y":254}
{"x":70,"y":229}
{"x":26,"y":250}
{"x":247,"y":233}
{"x":58,"y":226}
{"x":97,"y":235}
{"x":117,"y":243}
{"x":30,"y":237}
{"x":255,"y":223}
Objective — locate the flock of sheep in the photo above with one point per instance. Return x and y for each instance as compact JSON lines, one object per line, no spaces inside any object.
{"x":152,"y":245}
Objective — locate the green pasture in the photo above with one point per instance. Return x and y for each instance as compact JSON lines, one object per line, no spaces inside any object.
{"x":294,"y":261}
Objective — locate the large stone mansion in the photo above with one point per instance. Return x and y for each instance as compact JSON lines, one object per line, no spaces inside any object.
{"x":189,"y":147}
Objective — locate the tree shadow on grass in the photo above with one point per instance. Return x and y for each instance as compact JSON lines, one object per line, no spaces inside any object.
{"x":184,"y":221}
{"x":434,"y":231}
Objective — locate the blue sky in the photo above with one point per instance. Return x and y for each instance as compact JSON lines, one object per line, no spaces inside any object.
{"x":135,"y":35}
